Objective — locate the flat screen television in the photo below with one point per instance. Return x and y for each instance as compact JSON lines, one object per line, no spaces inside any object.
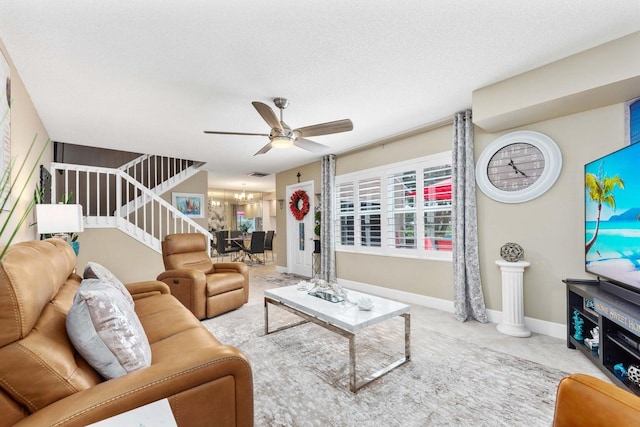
{"x":612,"y":221}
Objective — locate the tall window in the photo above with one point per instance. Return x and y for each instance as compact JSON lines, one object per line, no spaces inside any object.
{"x":401,"y":209}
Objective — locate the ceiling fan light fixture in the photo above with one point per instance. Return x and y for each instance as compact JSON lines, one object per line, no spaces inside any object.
{"x":282,"y":136}
{"x":281,"y":141}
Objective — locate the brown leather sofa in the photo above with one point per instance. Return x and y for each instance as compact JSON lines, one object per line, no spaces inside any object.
{"x":586,"y":401}
{"x":45,"y":382}
{"x":205,"y":288}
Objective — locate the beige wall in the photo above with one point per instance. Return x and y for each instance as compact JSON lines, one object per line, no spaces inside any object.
{"x":435,"y":141}
{"x":25,"y":126}
{"x":595,"y":78}
{"x":128,"y":259}
{"x":550,"y":228}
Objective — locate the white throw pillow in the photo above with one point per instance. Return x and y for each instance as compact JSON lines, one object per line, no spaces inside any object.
{"x":93,"y":270}
{"x":104,"y":328}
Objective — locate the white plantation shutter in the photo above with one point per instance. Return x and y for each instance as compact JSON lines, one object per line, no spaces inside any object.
{"x":437,"y":208}
{"x":370,"y":200}
{"x":345,"y":214}
{"x":401,"y":210}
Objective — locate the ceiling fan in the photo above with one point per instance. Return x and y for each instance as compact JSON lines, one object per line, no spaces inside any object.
{"x":282,"y":136}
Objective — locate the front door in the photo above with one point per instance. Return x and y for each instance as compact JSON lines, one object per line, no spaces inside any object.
{"x":300,"y":232}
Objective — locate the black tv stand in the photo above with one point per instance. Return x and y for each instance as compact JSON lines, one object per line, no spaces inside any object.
{"x":582,"y":281}
{"x":618,"y":322}
{"x":619,"y":291}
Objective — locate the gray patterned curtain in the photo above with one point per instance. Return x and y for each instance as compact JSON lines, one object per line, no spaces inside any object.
{"x":327,"y":233}
{"x":468,"y":299}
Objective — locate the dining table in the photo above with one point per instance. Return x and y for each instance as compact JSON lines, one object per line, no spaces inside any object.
{"x":240,"y":243}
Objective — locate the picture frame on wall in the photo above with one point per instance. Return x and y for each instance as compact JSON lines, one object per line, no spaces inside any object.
{"x":632,"y":121}
{"x":189,"y":204}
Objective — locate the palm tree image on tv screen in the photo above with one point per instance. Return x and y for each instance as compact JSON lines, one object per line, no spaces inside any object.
{"x":612,"y":216}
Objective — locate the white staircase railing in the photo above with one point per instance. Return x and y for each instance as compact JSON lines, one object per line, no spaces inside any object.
{"x":158,"y":172}
{"x":113,"y":199}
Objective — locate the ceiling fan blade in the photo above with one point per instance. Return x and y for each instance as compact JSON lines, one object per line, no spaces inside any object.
{"x":307,"y":144}
{"x":235,"y":133}
{"x":264,"y":149}
{"x":325,"y":128}
{"x":268,"y":115}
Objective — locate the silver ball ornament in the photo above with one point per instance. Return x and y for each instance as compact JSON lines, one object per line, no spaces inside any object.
{"x":511,"y":252}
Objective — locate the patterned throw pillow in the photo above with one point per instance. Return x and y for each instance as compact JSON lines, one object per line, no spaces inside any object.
{"x":93,"y":270}
{"x":104,"y":328}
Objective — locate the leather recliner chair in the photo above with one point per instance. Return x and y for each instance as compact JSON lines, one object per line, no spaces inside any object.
{"x":586,"y":401}
{"x":205,"y":288}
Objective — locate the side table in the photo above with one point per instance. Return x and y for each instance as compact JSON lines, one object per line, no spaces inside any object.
{"x":157,"y":414}
{"x":512,"y":299}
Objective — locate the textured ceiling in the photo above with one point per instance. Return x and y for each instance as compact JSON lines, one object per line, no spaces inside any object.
{"x":150,"y":76}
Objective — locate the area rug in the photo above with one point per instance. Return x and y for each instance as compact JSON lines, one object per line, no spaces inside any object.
{"x":281,"y":279}
{"x":301,"y":376}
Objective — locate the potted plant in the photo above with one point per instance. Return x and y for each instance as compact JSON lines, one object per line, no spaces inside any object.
{"x":9,"y":190}
{"x":245,"y":226}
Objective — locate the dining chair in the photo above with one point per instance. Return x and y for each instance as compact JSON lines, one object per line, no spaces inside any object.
{"x":222,"y":245}
{"x":256,"y":246}
{"x":268,"y":243}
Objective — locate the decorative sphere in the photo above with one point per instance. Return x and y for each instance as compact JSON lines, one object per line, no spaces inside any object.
{"x":511,"y":252}
{"x":633,"y":373}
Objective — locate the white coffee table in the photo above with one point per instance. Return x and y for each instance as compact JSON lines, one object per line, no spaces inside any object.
{"x":342,"y":318}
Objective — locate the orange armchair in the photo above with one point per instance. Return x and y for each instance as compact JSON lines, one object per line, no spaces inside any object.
{"x":205,"y":288}
{"x":586,"y":401}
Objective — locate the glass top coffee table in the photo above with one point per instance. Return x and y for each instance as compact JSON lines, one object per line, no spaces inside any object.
{"x":345,"y":319}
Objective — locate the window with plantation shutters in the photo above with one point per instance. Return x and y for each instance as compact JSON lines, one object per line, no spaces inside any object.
{"x":345,"y":214}
{"x":401,"y":209}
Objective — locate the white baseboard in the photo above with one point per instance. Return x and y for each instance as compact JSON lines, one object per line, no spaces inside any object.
{"x":402,"y":296}
{"x":556,"y":330}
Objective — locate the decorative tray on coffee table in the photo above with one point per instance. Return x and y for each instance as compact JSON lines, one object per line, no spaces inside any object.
{"x":325,"y":295}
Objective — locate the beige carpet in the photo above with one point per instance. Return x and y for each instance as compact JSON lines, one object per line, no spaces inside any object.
{"x":301,"y":377}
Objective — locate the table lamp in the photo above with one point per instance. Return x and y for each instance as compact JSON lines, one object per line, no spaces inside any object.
{"x":59,"y":220}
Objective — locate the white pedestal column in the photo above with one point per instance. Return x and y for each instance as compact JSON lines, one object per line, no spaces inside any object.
{"x":512,"y":299}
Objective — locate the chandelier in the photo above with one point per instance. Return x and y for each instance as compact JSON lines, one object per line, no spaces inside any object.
{"x":243,"y":196}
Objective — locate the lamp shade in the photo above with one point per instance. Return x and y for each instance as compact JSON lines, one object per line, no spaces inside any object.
{"x":60,"y":218}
